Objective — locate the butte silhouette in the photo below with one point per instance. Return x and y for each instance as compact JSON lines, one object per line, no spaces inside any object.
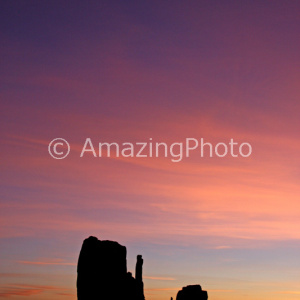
{"x":102,"y":274}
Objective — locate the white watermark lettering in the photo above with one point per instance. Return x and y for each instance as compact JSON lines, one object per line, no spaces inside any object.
{"x":59,"y":148}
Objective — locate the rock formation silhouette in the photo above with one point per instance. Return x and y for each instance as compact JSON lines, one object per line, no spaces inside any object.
{"x":192,"y":292}
{"x":102,"y":272}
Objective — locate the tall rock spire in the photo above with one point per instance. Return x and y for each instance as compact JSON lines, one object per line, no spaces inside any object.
{"x":139,"y":268}
{"x":139,"y":277}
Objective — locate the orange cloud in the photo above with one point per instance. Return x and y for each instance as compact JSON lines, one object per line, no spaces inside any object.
{"x":54,"y":262}
{"x":159,"y":278}
{"x":24,"y":290}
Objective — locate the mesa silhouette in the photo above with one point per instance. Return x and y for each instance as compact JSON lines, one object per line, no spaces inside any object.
{"x":102,"y":274}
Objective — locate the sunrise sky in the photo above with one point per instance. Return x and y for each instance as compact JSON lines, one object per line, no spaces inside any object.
{"x":128,"y":71}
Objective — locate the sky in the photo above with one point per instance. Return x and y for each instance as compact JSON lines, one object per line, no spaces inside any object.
{"x":128,"y":72}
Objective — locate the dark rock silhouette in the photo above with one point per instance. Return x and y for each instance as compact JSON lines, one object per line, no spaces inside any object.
{"x":192,"y":292}
{"x":139,"y":276}
{"x":102,"y":272}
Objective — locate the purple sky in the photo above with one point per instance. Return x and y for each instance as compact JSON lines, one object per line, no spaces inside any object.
{"x":127,"y":71}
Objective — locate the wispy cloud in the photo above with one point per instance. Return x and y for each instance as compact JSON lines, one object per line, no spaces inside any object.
{"x":289,"y":292}
{"x":222,"y":247}
{"x":26,"y":290}
{"x":164,"y":289}
{"x":53,"y":262}
{"x":159,"y":278}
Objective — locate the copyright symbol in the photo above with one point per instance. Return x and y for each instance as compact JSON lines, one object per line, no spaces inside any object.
{"x":59,"y":148}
